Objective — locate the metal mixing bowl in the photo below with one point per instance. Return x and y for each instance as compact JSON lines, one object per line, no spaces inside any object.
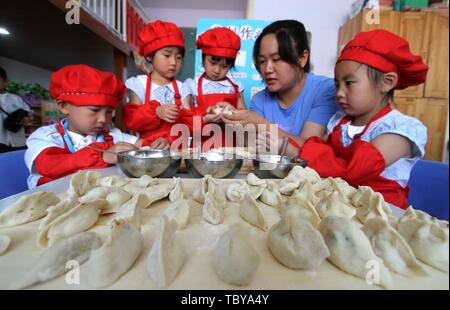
{"x":270,"y":167}
{"x":213,"y":163}
{"x":155,"y":163}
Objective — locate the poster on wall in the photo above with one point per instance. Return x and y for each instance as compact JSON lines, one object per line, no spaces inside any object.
{"x":244,"y":71}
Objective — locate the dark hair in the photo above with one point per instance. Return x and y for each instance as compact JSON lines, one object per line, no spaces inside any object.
{"x":3,"y":74}
{"x":376,"y":76}
{"x":292,"y":42}
{"x":181,"y":49}
{"x":228,"y":61}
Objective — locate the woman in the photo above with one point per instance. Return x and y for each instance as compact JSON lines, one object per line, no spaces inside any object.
{"x":299,"y":102}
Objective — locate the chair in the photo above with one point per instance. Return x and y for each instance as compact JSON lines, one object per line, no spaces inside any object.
{"x":13,"y":173}
{"x":429,"y":188}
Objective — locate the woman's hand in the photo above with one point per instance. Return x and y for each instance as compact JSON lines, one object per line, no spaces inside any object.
{"x":160,"y":144}
{"x":116,"y":148}
{"x":167,"y":112}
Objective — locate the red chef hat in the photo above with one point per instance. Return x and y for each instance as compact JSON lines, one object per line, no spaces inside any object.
{"x":220,"y":41}
{"x":82,"y":85}
{"x":159,"y":34}
{"x":386,"y":52}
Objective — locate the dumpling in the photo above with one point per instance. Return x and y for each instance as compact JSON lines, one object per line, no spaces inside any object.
{"x":199,"y":194}
{"x":178,"y":210}
{"x":388,"y":244}
{"x":27,"y":209}
{"x":251,"y":212}
{"x":335,"y":205}
{"x":119,"y":251}
{"x":236,"y":191}
{"x":297,"y":176}
{"x":350,"y":250}
{"x":115,"y":200}
{"x":271,"y":196}
{"x":412,"y":213}
{"x":212,"y":212}
{"x":131,"y":211}
{"x":114,"y":181}
{"x":157,"y":192}
{"x":298,"y":207}
{"x":144,"y":181}
{"x":54,"y":211}
{"x":372,"y":205}
{"x":235,"y":260}
{"x":428,"y":240}
{"x":4,"y":243}
{"x":296,"y":244}
{"x":82,"y":182}
{"x":343,"y":187}
{"x":52,"y":262}
{"x":219,"y":192}
{"x":256,"y":185}
{"x":78,"y":219}
{"x":96,"y":194}
{"x":306,"y":192}
{"x":166,"y":256}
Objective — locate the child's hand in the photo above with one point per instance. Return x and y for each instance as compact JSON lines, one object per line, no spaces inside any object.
{"x":167,"y":112}
{"x":110,"y":158}
{"x":160,"y":144}
{"x":225,"y":106}
{"x":211,"y":116}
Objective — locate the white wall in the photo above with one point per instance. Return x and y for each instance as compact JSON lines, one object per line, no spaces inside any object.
{"x":25,"y":73}
{"x":321,"y":17}
{"x":187,"y":18}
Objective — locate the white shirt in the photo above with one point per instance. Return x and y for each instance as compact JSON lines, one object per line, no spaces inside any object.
{"x":48,"y":136}
{"x":10,"y":102}
{"x":164,"y":94}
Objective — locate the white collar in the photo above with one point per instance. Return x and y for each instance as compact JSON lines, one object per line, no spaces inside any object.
{"x":222,"y":82}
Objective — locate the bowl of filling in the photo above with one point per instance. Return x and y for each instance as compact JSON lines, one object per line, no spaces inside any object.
{"x":275,"y":166}
{"x":216,"y":162}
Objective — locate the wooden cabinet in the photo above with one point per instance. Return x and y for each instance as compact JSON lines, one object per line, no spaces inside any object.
{"x":427,"y":34}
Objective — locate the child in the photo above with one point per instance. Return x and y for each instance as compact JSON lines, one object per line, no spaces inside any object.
{"x":87,"y":97}
{"x":9,"y":103}
{"x":155,"y":102}
{"x":214,"y":91}
{"x":369,"y":143}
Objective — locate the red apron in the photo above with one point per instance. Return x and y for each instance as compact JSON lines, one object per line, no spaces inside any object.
{"x":359,"y":164}
{"x":204,"y":101}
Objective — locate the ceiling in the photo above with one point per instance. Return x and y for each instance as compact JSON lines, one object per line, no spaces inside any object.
{"x":231,"y":5}
{"x":41,"y":37}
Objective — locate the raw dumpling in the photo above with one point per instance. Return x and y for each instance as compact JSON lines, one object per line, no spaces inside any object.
{"x":78,"y":219}
{"x":234,"y":258}
{"x":428,"y":240}
{"x":82,"y":182}
{"x":306,"y":192}
{"x":256,"y":185}
{"x":54,"y":211}
{"x":96,"y":194}
{"x":253,"y":180}
{"x":157,"y":192}
{"x":4,"y":243}
{"x":236,"y":191}
{"x":298,"y":207}
{"x":115,"y":200}
{"x":53,"y":261}
{"x":219,"y":192}
{"x":388,"y":244}
{"x":27,"y":209}
{"x":199,"y":194}
{"x":372,"y":205}
{"x":297,"y":176}
{"x":350,"y":250}
{"x":144,"y":181}
{"x":296,"y":244}
{"x":131,"y":211}
{"x":114,"y":181}
{"x":166,"y":256}
{"x":412,"y":213}
{"x":343,"y":187}
{"x":335,"y":205}
{"x":271,"y":196}
{"x":251,"y":212}
{"x":178,"y":210}
{"x":212,"y":212}
{"x":119,"y":251}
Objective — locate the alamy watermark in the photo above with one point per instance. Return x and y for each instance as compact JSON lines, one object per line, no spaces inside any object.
{"x":73,"y":13}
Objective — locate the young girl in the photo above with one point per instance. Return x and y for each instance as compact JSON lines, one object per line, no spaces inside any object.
{"x":369,"y":143}
{"x":88,"y":98}
{"x":157,"y":101}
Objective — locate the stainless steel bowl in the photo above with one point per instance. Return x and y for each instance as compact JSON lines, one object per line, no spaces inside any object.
{"x":270,"y":167}
{"x":155,"y":163}
{"x":213,"y":163}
